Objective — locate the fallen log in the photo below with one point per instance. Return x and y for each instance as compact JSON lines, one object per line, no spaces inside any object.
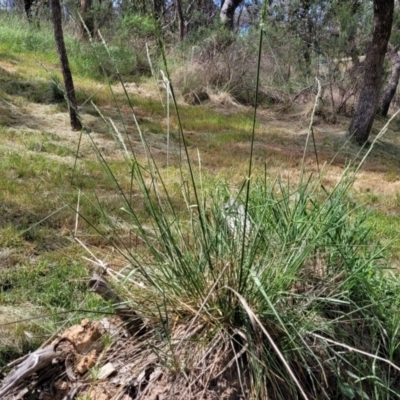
{"x":13,"y":385}
{"x":34,"y":362}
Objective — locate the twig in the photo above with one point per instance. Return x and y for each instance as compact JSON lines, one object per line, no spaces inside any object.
{"x":134,"y":323}
{"x":255,"y":321}
{"x":310,"y":128}
{"x":37,"y":360}
{"x":357,"y":351}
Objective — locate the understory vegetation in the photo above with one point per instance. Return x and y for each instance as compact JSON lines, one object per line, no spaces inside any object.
{"x":285,"y":285}
{"x":257,"y":261}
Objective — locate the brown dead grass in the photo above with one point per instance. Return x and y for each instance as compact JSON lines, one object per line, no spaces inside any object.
{"x":130,"y":368}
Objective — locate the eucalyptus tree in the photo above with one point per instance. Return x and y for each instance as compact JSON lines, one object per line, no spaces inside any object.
{"x":227,"y":13}
{"x":66,"y":71}
{"x":368,"y":102}
{"x":178,"y":8}
{"x":391,"y":87}
{"x":394,"y":57}
{"x":318,"y":30}
{"x":88,"y":21}
{"x":28,"y":6}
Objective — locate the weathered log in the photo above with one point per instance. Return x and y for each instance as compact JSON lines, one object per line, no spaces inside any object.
{"x":35,"y":361}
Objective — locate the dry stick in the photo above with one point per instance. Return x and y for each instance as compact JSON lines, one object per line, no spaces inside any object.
{"x":134,"y":323}
{"x":310,"y":128}
{"x":234,"y":359}
{"x":211,"y":368}
{"x":86,"y":248}
{"x":357,"y":351}
{"x":254,"y":319}
{"x":103,"y":266}
{"x":37,"y":360}
{"x":120,"y":138}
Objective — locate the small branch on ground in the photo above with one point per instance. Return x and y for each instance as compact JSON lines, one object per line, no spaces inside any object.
{"x":134,"y":323}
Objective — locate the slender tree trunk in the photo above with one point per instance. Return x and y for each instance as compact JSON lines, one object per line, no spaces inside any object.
{"x":391,"y":88}
{"x":227,"y":13}
{"x":32,"y":11}
{"x":28,"y":6}
{"x":62,"y":55}
{"x":87,"y":26}
{"x":158,"y":7}
{"x":178,"y":7}
{"x":308,"y":35}
{"x":368,"y":102}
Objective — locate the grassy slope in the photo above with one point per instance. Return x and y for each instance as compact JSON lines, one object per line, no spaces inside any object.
{"x":42,"y":269}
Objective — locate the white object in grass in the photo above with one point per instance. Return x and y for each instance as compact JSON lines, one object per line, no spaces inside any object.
{"x":235,"y":219}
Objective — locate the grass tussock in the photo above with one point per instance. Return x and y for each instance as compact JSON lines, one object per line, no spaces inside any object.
{"x":265,"y":289}
{"x":277,"y":289}
{"x":291,"y":292}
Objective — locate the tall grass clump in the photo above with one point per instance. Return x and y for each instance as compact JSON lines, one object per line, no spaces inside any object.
{"x":275,"y":290}
{"x":261,"y":291}
{"x":292,"y":295}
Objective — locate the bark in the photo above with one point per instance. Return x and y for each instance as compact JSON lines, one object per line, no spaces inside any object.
{"x":34,"y":362}
{"x":368,"y":102}
{"x":178,"y":6}
{"x":87,"y":25}
{"x":66,"y":71}
{"x":391,"y":88}
{"x":28,"y":8}
{"x":227,"y":13}
{"x":158,"y":6}
{"x":32,"y":11}
{"x":308,"y":34}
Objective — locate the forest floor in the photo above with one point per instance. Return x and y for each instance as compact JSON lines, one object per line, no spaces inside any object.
{"x":45,"y":168}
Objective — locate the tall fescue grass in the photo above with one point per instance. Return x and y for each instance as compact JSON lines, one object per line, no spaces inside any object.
{"x":280,"y":280}
{"x":284,"y":276}
{"x":304,"y":269}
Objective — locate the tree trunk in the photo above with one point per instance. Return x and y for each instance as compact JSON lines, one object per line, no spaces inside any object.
{"x":228,"y":12}
{"x":393,"y":81}
{"x":62,"y":55}
{"x":158,"y":7}
{"x":28,"y":8}
{"x":364,"y":115}
{"x":178,"y":7}
{"x":32,"y":11}
{"x":87,"y":23}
